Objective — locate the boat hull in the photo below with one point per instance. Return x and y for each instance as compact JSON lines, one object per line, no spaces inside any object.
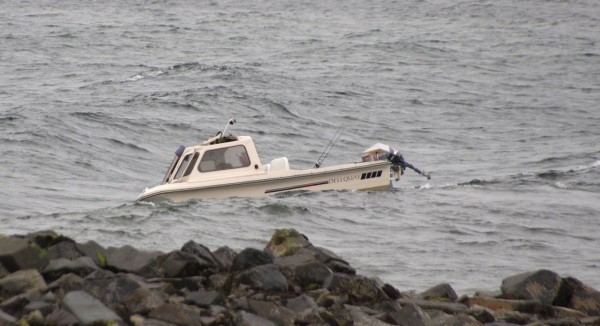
{"x":354,"y":176}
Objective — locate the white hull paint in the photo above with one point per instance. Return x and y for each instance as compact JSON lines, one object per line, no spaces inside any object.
{"x":355,"y":176}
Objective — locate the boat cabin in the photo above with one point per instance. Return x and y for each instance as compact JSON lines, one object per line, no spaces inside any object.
{"x":218,"y":157}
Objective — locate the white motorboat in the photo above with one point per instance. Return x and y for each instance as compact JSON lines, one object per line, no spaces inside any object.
{"x":229,"y":166}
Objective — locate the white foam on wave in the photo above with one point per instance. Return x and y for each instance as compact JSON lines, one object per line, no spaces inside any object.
{"x":587,"y":166}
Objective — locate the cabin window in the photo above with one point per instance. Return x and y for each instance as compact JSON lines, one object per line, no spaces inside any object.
{"x":191,"y":165}
{"x":224,"y":159}
{"x":182,"y":166}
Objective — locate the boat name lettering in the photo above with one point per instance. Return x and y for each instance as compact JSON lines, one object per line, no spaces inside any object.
{"x":346,"y":178}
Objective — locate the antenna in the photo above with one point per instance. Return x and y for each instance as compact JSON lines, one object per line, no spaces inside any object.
{"x":328,"y":148}
{"x":230,"y":122}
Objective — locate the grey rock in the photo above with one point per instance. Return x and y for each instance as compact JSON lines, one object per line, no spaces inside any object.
{"x":110,"y":288}
{"x":447,"y":307}
{"x":88,"y":309}
{"x":359,"y":288}
{"x":16,"y":304}
{"x":304,"y":271}
{"x":341,"y":267}
{"x":264,"y":277}
{"x":542,"y":285}
{"x":301,"y":303}
{"x":18,"y":254}
{"x":66,"y":284}
{"x":251,"y":257}
{"x":514,"y":317}
{"x":221,"y":282}
{"x":391,"y":291}
{"x":142,"y":300}
{"x":440,"y":291}
{"x":61,"y":317}
{"x":22,"y":281}
{"x":94,"y":251}
{"x":3,"y":271}
{"x":64,"y":249}
{"x":225,"y":255}
{"x":201,"y":252}
{"x":45,"y":238}
{"x":576,"y":295}
{"x":410,"y":315}
{"x":306,"y":310}
{"x":44,"y":307}
{"x":58,"y":267}
{"x":250,"y":319}
{"x":454,"y":320}
{"x":129,"y":259}
{"x":139,"y":320}
{"x":178,"y":264}
{"x":204,"y":298}
{"x":6,"y":319}
{"x":286,"y":242}
{"x":179,"y":314}
{"x":271,"y":311}
{"x":482,"y":315}
{"x":359,"y":318}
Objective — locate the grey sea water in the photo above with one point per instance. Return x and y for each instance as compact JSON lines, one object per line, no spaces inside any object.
{"x":499,"y":100}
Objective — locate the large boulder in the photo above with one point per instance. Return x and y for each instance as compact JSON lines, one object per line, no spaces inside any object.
{"x":496,"y":304}
{"x":251,"y":257}
{"x":447,"y":307}
{"x":177,"y":264}
{"x":65,"y":284}
{"x":18,"y":253}
{"x":88,"y":309}
{"x":64,"y":249}
{"x":6,"y":319}
{"x":249,"y":319}
{"x":129,"y":259}
{"x":285,"y":242}
{"x":333,"y":261}
{"x":204,"y":298}
{"x":360,"y":289}
{"x":271,"y":311}
{"x":541,"y":285}
{"x":306,"y":310}
{"x":16,"y":304}
{"x":82,"y":266}
{"x":93,"y":250}
{"x":410,"y":315}
{"x":45,"y":308}
{"x":304,"y":269}
{"x":442,"y":291}
{"x":224,"y":256}
{"x":178,"y":314}
{"x":201,"y":252}
{"x":454,"y":320}
{"x":44,"y":238}
{"x":110,"y":288}
{"x":266,"y":278}
{"x":360,"y":318}
{"x":576,"y":295}
{"x":61,"y":317}
{"x":142,"y":300}
{"x":3,"y":271}
{"x":22,"y":281}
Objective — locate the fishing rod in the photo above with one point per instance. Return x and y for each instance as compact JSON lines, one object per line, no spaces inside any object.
{"x":328,"y":148}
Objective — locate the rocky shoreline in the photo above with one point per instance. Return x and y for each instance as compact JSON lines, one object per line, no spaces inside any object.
{"x":50,"y":279}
